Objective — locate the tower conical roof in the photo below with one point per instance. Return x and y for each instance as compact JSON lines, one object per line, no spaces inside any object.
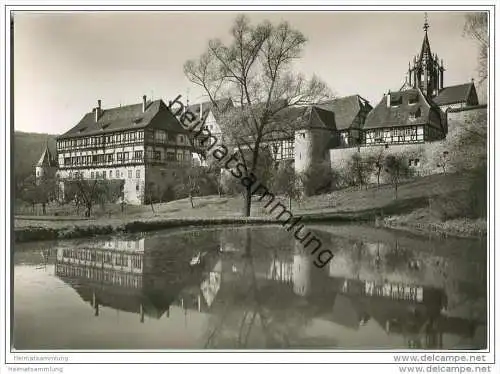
{"x":425,"y":51}
{"x":46,"y":159}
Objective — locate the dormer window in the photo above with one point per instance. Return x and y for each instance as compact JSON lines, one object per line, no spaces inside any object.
{"x":138,"y":120}
{"x":105,"y":126}
{"x":413,"y":99}
{"x":395,"y":101}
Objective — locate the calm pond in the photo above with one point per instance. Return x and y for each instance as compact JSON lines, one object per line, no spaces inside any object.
{"x":241,"y":287}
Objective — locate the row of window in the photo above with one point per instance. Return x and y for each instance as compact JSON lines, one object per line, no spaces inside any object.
{"x":161,"y":136}
{"x":95,"y":141}
{"x":102,"y":158}
{"x":120,"y":259}
{"x":395,"y":135}
{"x":101,"y":275}
{"x":124,"y":157}
{"x":105,"y":174}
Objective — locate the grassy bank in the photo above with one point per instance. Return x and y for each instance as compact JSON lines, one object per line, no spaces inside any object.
{"x":422,"y":205}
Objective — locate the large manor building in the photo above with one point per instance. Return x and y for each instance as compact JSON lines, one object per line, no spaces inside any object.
{"x":145,"y":145}
{"x":142,"y":144}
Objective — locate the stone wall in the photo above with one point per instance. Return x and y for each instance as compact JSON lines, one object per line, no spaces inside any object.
{"x":462,"y":115}
{"x":424,"y":156}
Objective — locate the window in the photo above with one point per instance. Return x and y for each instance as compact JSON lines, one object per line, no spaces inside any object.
{"x":117,"y":173}
{"x":137,"y":173}
{"x":109,"y":157}
{"x":125,"y":156}
{"x":396,"y":100}
{"x":288,"y":149}
{"x":157,"y":155}
{"x":413,"y":99}
{"x":181,"y":138}
{"x":140,"y":135}
{"x":119,"y":156}
{"x":138,"y":155}
{"x":130,"y":174}
{"x":91,"y":175}
{"x":160,"y":136}
{"x":104,"y":174}
{"x":121,"y":260}
{"x":111,"y":173}
{"x":170,"y":156}
{"x":137,"y":187}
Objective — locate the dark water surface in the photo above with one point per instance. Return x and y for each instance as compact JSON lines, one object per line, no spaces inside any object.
{"x":252,"y":288}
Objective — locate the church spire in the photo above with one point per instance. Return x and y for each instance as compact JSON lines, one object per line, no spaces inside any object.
{"x":425,"y":52}
{"x":426,"y":73}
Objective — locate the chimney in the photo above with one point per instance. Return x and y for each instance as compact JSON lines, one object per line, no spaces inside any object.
{"x":388,"y":97}
{"x":201,"y":111}
{"x":143,"y":103}
{"x":98,"y":110}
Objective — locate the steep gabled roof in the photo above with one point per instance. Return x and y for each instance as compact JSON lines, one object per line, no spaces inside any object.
{"x":207,"y":106}
{"x":346,"y":110}
{"x":454,"y":94}
{"x":46,"y":159}
{"x":123,"y":118}
{"x":399,"y":115}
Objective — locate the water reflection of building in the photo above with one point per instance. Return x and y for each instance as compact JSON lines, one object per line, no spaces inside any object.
{"x":131,"y":277}
{"x":351,"y":298}
{"x":119,"y":274}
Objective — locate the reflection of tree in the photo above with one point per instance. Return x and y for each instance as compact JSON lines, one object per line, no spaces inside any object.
{"x":248,"y":310}
{"x":397,"y":256}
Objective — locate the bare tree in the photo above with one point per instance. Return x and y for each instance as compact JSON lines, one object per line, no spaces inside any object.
{"x":443,"y":161}
{"x":396,"y":166}
{"x":359,"y":168}
{"x":255,"y":69}
{"x":376,"y":163}
{"x":284,"y":181}
{"x":93,"y":191}
{"x":476,"y":27}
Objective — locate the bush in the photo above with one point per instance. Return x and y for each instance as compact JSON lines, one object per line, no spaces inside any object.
{"x":319,"y":179}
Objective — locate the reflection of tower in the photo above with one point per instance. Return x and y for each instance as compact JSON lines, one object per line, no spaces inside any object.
{"x":301,"y":271}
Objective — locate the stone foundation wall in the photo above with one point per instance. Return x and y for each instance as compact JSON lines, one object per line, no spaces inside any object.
{"x":463,"y":115}
{"x":425,"y":155}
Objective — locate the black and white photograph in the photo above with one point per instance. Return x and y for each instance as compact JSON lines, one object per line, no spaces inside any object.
{"x":249,"y":184}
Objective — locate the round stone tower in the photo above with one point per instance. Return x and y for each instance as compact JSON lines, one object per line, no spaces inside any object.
{"x":310,"y":148}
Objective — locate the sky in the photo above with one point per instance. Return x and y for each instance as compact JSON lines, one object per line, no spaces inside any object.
{"x":65,"y":62}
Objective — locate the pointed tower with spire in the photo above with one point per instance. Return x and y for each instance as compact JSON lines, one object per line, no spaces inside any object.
{"x":426,"y":73}
{"x":46,"y":166}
